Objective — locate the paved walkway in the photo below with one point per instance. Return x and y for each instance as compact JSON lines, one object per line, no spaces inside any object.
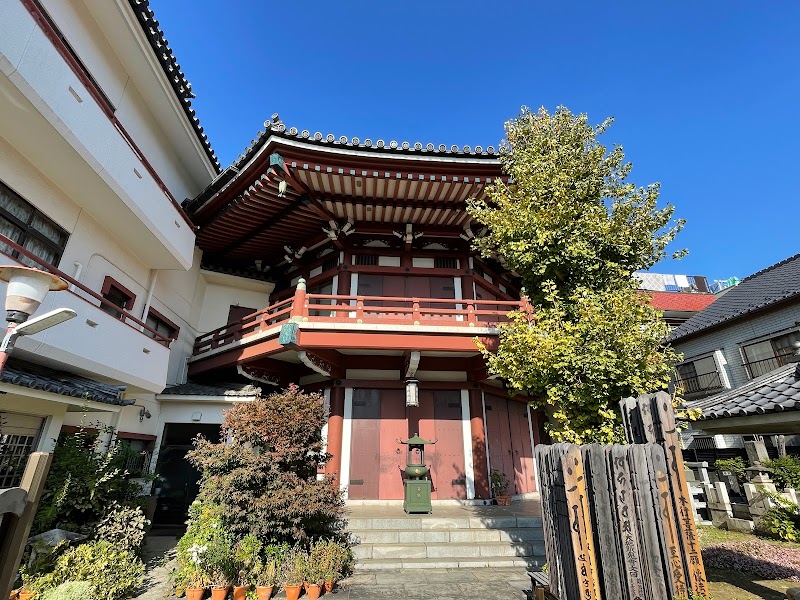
{"x":437,"y":584}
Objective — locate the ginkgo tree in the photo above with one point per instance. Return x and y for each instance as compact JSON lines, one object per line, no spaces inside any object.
{"x":569,"y":222}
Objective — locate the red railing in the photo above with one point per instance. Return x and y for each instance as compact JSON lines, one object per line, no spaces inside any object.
{"x":364,"y":309}
{"x":124,"y":317}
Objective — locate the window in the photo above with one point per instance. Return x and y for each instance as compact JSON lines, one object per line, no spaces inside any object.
{"x":155,"y":320}
{"x":118,"y":295}
{"x":137,"y":449}
{"x":698,"y":376}
{"x":29,"y":228}
{"x":365,"y":259}
{"x":19,"y":435}
{"x":442,"y":262}
{"x":762,"y":357}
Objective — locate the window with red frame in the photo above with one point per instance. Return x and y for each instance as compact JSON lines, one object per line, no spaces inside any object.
{"x":155,"y":320}
{"x":118,"y":295}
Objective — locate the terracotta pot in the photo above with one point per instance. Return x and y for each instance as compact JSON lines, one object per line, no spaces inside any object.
{"x":292,"y":591}
{"x":220,"y":593}
{"x":195,"y":593}
{"x":329,"y":585}
{"x":264,"y":593}
{"x":313,"y":590}
{"x":503,"y":500}
{"x":240,"y":592}
{"x":25,"y":595}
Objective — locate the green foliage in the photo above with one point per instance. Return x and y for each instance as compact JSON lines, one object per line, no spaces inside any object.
{"x":781,"y":522}
{"x":735,"y":465}
{"x":785,"y":472}
{"x":71,"y":590}
{"x":576,"y":230}
{"x":124,"y":527}
{"x":83,"y":483}
{"x":293,"y":570}
{"x":499,"y":483}
{"x":205,"y":554}
{"x":332,"y":560}
{"x":265,"y":480}
{"x":247,"y":559}
{"x":112,"y":574}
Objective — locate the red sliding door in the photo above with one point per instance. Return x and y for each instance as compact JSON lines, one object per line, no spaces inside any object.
{"x":509,"y":436}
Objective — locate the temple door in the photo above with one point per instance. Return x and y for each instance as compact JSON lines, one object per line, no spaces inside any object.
{"x":393,"y":427}
{"x":522,"y":451}
{"x":499,"y":436}
{"x":448,"y":463}
{"x":365,"y":445}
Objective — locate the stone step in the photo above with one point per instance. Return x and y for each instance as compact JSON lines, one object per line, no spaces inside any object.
{"x":407,"y":536}
{"x":375,"y":564}
{"x":431,"y":522}
{"x":448,"y":550}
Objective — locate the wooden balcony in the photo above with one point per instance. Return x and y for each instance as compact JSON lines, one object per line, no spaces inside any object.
{"x":466,"y":317}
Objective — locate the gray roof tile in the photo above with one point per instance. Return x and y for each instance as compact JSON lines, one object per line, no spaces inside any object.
{"x":191,"y":388}
{"x":774,"y":392}
{"x":37,"y":377}
{"x":777,"y":283}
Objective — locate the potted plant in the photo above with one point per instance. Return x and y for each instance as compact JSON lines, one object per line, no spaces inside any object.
{"x":323,"y":555}
{"x":313,"y":578}
{"x":246,"y":558}
{"x":266,"y":576}
{"x":500,"y":487}
{"x":293,"y":574}
{"x":196,"y":581}
{"x":220,"y":584}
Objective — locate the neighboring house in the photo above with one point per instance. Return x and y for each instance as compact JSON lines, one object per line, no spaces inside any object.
{"x":735,"y":349}
{"x":680,"y":297}
{"x":177,"y":268}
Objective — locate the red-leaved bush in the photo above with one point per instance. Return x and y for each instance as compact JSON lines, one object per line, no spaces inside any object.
{"x":760,"y":558}
{"x":263,"y":475}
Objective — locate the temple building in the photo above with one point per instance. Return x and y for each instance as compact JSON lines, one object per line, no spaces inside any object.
{"x":376,"y":299}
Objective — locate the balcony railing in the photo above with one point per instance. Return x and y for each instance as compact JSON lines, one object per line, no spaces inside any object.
{"x":332,"y":308}
{"x":757,"y":368}
{"x":704,"y":382}
{"x":83,"y":292}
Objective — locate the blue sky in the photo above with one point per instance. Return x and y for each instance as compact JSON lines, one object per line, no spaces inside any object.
{"x":705,"y":94}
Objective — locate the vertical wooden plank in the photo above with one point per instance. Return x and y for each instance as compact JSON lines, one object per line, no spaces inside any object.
{"x":630,"y":419}
{"x":671,"y":546}
{"x":521,"y":447}
{"x":687,"y":529}
{"x":609,"y":560}
{"x":392,"y":426}
{"x":500,"y":452}
{"x":580,"y":525}
{"x":647,"y":521}
{"x":365,"y":446}
{"x":626,"y":517}
{"x":447,"y":468}
{"x":645,"y":419}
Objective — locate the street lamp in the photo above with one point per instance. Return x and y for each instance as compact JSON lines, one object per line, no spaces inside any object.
{"x":26,"y":290}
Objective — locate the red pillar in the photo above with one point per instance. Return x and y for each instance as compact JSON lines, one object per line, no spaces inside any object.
{"x":335,"y":426}
{"x":478,"y":444}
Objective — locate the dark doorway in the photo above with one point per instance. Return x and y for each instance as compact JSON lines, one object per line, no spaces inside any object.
{"x":177,"y":485}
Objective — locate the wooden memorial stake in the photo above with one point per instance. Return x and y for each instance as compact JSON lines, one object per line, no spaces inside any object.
{"x":626,"y":517}
{"x":671,"y":541}
{"x":682,"y":503}
{"x":580,"y":525}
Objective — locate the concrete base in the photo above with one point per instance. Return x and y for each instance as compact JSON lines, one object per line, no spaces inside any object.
{"x":743,"y":525}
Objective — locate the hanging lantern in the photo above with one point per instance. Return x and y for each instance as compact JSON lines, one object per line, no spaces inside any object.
{"x":412,"y":392}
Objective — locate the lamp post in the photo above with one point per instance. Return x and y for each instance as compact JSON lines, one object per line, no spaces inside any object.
{"x":27,"y":288}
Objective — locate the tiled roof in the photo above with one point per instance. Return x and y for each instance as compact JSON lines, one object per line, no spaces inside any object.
{"x":681,"y":301}
{"x":775,"y":284}
{"x":37,"y":377}
{"x":275,"y":126}
{"x":774,"y":392}
{"x":221,"y":389}
{"x":181,"y":87}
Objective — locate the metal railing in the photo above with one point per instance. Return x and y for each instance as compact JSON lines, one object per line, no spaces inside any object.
{"x":703,"y":382}
{"x":76,"y":286}
{"x":364,"y":309}
{"x":757,"y":368}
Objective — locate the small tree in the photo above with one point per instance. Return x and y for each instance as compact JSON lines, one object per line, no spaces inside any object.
{"x":263,"y":476}
{"x":575,"y":230}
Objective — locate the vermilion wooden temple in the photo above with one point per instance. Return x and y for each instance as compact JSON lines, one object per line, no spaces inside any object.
{"x":377,"y":303}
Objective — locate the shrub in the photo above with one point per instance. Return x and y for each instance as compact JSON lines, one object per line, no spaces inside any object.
{"x":124,"y":527}
{"x":758,"y":557}
{"x":333,"y":560}
{"x":247,"y":559}
{"x":785,"y":472}
{"x":499,"y":483}
{"x":265,"y":479}
{"x":82,"y":483}
{"x":71,"y":590}
{"x":112,"y":574}
{"x":735,"y":465}
{"x":204,"y":553}
{"x":781,"y":522}
{"x":293,"y":571}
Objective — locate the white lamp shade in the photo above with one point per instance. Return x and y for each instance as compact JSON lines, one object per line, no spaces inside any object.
{"x":27,"y":287}
{"x":412,"y":392}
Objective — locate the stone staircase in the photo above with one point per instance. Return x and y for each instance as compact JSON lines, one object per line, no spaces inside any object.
{"x":470,"y":540}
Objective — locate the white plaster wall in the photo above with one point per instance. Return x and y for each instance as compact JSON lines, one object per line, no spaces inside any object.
{"x":728,"y":339}
{"x":218,"y":299}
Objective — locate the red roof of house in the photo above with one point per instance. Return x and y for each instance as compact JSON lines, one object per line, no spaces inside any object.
{"x":681,"y":301}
